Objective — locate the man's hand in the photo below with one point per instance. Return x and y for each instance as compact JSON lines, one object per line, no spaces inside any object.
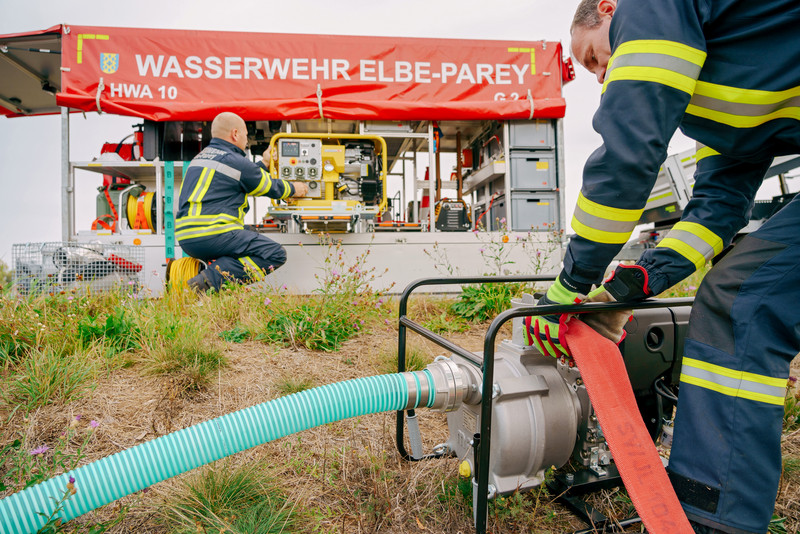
{"x":269,"y":154}
{"x":608,"y":324}
{"x":627,"y":283}
{"x":544,"y":330}
{"x":300,"y":189}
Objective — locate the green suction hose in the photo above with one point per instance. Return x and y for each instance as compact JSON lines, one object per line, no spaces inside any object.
{"x":139,"y":467}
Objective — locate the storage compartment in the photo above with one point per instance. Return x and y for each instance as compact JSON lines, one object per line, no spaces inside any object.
{"x":497,"y":212}
{"x":533,"y":170}
{"x":532,"y":134}
{"x":537,"y":211}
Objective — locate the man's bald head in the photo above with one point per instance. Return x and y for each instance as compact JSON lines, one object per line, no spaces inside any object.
{"x":230,"y":127}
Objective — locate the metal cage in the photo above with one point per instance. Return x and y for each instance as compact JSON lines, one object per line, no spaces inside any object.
{"x":60,"y":267}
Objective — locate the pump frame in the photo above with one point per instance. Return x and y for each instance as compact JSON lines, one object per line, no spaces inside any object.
{"x":483,"y":441}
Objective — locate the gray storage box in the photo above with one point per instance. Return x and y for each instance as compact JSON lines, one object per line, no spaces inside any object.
{"x":533,"y":170}
{"x":539,"y":211}
{"x":537,"y":134}
{"x":497,"y":213}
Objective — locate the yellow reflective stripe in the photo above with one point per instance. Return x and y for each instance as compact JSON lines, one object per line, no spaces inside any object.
{"x":207,"y":231}
{"x":734,"y":383}
{"x":195,"y":192}
{"x":693,"y":241}
{"x":600,"y":236}
{"x":241,"y":209}
{"x":737,"y":95}
{"x":651,"y":74}
{"x":698,"y":259}
{"x":195,"y":200}
{"x":740,"y":121}
{"x":607,"y":212}
{"x":704,"y":152}
{"x":264,"y":185}
{"x":666,"y":62}
{"x":603,"y":224}
{"x":743,"y":108}
{"x":287,"y":190}
{"x":206,"y":220}
{"x":668,"y":48}
{"x":251,"y":268}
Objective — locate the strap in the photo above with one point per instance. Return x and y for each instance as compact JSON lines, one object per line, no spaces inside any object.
{"x":635,"y":455}
{"x":99,"y":221}
{"x":141,"y":218}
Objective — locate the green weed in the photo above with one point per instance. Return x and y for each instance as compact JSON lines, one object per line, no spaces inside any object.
{"x":339,"y":310}
{"x":182,"y":352}
{"x":229,"y":499}
{"x":237,"y":334}
{"x":290,"y":385}
{"x":776,"y":525}
{"x":118,"y":333}
{"x":791,"y":408}
{"x":479,"y":303}
{"x":444,"y":323}
{"x":791,"y":466}
{"x":416,"y":360}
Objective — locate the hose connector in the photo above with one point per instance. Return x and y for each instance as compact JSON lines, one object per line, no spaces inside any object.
{"x":443,"y":385}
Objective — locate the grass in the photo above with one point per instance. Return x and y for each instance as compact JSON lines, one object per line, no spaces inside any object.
{"x":416,"y":360}
{"x":184,"y":354}
{"x":229,"y":499}
{"x":49,"y":376}
{"x":62,"y":355}
{"x":289,"y":385}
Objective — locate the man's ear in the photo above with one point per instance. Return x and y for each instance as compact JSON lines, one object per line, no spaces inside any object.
{"x":606,"y":7}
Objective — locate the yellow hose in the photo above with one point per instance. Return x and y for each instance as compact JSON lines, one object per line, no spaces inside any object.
{"x":132,"y":207}
{"x":181,"y":271}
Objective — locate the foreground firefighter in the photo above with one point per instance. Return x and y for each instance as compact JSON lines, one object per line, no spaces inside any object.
{"x":213,"y":203}
{"x":725,"y":72}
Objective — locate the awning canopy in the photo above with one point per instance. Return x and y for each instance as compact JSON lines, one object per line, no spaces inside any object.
{"x":193,"y":75}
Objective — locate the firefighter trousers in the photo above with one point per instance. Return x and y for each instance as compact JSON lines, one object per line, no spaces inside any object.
{"x":744,"y":328}
{"x":243,"y":256}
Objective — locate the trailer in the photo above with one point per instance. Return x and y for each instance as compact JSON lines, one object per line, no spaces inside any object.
{"x":480,"y":120}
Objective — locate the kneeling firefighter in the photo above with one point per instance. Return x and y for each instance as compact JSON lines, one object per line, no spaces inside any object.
{"x":213,"y":203}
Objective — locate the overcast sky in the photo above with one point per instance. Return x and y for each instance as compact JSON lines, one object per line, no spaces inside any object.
{"x":30,"y":147}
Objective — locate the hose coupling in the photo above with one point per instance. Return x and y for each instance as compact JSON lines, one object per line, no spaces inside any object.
{"x":443,"y":385}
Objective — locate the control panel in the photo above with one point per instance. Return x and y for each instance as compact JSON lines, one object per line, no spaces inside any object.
{"x":301,"y":160}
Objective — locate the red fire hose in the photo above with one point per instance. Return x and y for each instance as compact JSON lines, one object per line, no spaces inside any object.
{"x":603,"y":371}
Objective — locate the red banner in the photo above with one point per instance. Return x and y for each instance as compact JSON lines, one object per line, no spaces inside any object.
{"x":193,"y":75}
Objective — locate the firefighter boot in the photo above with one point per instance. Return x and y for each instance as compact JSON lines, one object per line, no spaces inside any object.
{"x":200,"y":283}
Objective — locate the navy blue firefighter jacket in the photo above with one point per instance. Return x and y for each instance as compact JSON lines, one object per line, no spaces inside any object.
{"x":727,"y":72}
{"x":215,"y":187}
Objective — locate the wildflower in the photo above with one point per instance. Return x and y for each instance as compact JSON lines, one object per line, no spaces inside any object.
{"x":387,"y":322}
{"x":505,"y":239}
{"x":334,"y":272}
{"x":78,"y":417}
{"x":267,"y":301}
{"x":482,"y":250}
{"x":93,"y":423}
{"x":284,"y":287}
{"x":39,"y":450}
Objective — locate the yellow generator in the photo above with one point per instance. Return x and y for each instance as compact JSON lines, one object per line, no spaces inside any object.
{"x":346,"y":179}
